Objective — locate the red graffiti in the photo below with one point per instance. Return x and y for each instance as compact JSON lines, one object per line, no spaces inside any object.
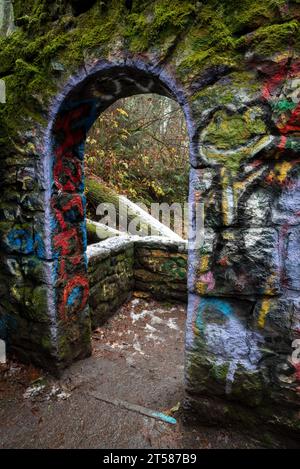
{"x":293,"y":124}
{"x":70,"y":170}
{"x":287,"y":122}
{"x":297,"y":376}
{"x":66,"y":265}
{"x":71,"y":136}
{"x":274,"y":82}
{"x":282,"y":143}
{"x":70,"y":131}
{"x":284,"y":71}
{"x":62,"y":241}
{"x":75,"y":202}
{"x":67,"y":165}
{"x":77,"y":283}
{"x":224,"y":262}
{"x":297,"y":373}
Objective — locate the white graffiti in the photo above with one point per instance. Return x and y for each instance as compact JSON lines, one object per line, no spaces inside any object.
{"x":296,"y":352}
{"x":118,"y":85}
{"x":2,"y":92}
{"x":7,"y":25}
{"x":2,"y":351}
{"x":232,"y":343}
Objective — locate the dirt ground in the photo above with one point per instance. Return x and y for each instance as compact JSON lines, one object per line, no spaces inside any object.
{"x":137,"y":360}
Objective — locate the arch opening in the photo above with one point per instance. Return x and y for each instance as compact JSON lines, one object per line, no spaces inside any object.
{"x":136,"y":157}
{"x":78,"y":108}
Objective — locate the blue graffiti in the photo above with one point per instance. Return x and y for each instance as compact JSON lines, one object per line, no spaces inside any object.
{"x":21,"y":240}
{"x":223,"y":307}
{"x":39,"y":246}
{"x":74,"y":296}
{"x":24,"y":242}
{"x":84,"y":235}
{"x":164,"y":417}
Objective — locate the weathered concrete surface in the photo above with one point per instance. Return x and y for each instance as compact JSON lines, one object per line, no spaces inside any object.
{"x":126,"y":364}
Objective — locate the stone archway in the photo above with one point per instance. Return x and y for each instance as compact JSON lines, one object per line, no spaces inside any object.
{"x":75,"y":112}
{"x":240,"y":94}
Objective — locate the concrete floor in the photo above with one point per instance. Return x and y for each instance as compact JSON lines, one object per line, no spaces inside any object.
{"x":138,"y":359}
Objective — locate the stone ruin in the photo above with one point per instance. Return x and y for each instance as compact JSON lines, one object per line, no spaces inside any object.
{"x":235,"y":71}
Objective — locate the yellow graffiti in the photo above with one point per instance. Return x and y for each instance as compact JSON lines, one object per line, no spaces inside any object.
{"x":232,"y":191}
{"x":201,"y":287}
{"x":227,"y":208}
{"x":281,"y":56}
{"x":282,"y":169}
{"x":269,"y":286}
{"x":241,"y":186}
{"x":228,"y":235}
{"x":204,"y":263}
{"x":264,"y":310}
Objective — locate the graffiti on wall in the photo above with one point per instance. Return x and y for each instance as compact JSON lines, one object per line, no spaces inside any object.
{"x":251,"y":194}
{"x":75,"y":117}
{"x":227,"y":337}
{"x":68,"y":209}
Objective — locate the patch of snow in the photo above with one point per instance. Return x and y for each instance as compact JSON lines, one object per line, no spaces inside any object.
{"x":150,"y":328}
{"x":172,"y":324}
{"x":33,"y":391}
{"x":135,"y":301}
{"x":142,"y":314}
{"x":58,"y":393}
{"x":156,"y":320}
{"x":137,"y":345}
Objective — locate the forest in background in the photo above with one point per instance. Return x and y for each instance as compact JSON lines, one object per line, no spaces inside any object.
{"x":139,"y":148}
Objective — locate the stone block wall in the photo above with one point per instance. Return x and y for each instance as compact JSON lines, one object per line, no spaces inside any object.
{"x":111,"y":278}
{"x":116,"y":267}
{"x":160,"y":268}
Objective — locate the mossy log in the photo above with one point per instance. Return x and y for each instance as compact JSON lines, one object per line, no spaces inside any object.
{"x":138,"y":220}
{"x":98,"y":231}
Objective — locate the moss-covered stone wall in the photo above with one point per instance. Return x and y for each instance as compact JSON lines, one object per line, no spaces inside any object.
{"x":160,"y":268}
{"x":235,"y":70}
{"x":152,"y":266}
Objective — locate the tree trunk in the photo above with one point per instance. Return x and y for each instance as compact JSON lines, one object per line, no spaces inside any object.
{"x":138,"y":221}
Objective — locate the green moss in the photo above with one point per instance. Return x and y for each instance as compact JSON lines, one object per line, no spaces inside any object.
{"x":35,"y":300}
{"x":228,"y":131}
{"x":211,"y":41}
{"x":230,"y":139}
{"x":214,"y":34}
{"x":25,"y":56}
{"x":207,"y":58}
{"x":219,"y":372}
{"x":211,"y":33}
{"x":167,"y":17}
{"x":64,"y":350}
{"x":174,"y":267}
{"x":91,"y":232}
{"x":226,"y":93}
{"x":223,"y":29}
{"x":268,"y":40}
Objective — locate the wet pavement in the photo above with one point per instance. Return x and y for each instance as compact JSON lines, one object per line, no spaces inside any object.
{"x":137,"y":367}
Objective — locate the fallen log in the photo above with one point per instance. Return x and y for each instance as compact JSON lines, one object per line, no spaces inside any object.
{"x":98,"y":231}
{"x":129,"y":217}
